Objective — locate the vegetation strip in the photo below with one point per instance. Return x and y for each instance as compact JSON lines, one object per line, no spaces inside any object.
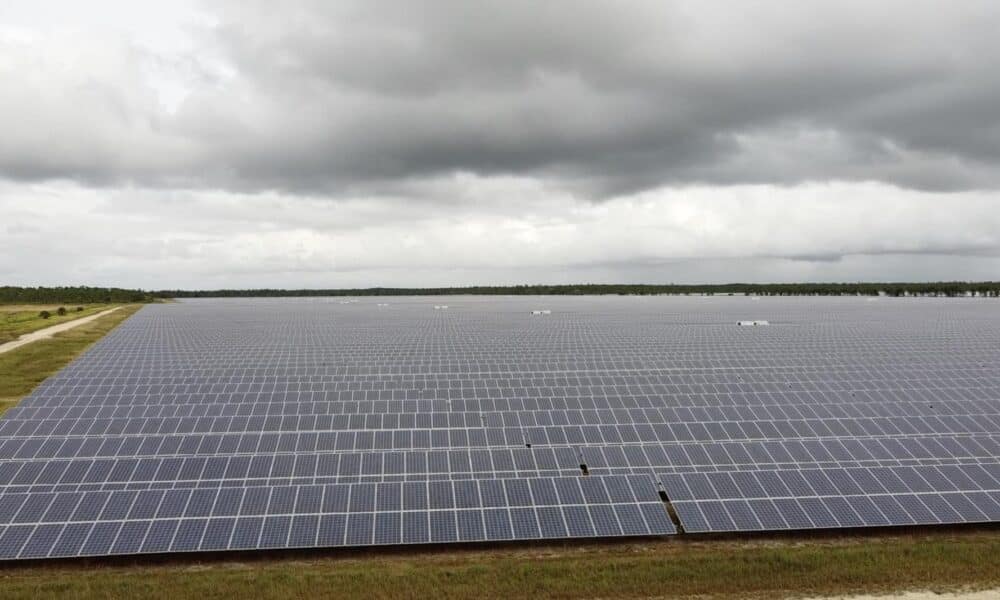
{"x":948,"y":288}
{"x":22,"y":369}
{"x":48,"y":332}
{"x":19,"y":320}
{"x":712,"y":569}
{"x":10,"y":294}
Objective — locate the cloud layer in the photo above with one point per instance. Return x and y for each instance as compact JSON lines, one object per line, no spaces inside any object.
{"x":502,"y":230}
{"x":604,"y":96}
{"x":449,"y":142}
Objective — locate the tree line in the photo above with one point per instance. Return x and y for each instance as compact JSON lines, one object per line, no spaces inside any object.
{"x":93,"y":295}
{"x":71,"y":295}
{"x":952,"y":288}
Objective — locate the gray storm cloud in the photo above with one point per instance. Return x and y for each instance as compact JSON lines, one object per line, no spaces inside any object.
{"x":443,"y":142}
{"x":602,"y":97}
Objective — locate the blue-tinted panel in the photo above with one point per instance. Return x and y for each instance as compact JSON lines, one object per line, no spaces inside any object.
{"x":443,"y":527}
{"x":159,"y":536}
{"x":416,"y":528}
{"x":275,"y":532}
{"x":303,"y":531}
{"x":471,"y":527}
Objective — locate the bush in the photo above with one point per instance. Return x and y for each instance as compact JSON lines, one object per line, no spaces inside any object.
{"x":61,"y":311}
{"x":79,"y":309}
{"x":44,"y":314}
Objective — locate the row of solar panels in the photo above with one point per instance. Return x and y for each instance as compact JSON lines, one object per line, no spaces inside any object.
{"x":832,"y":482}
{"x":528,"y":399}
{"x":46,"y":507}
{"x":830,"y":380}
{"x":674,"y":453}
{"x":490,"y":390}
{"x":333,"y":367}
{"x":712,"y":454}
{"x":348,"y":441}
{"x":775,"y":500}
{"x":93,"y":523}
{"x":802,"y":368}
{"x":365,"y":414}
{"x":127,"y":522}
{"x":335,"y":429}
{"x":250,"y":470}
{"x":838,"y":512}
{"x":75,"y":475}
{"x":278,"y":374}
{"x":89,"y":425}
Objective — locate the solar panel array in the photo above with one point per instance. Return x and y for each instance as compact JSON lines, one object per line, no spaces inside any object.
{"x":294,"y":423}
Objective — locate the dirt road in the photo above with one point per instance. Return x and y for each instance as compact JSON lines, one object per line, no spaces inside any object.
{"x":48,"y":332}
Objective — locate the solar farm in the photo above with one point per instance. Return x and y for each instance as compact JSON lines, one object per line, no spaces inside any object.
{"x":263,"y":424}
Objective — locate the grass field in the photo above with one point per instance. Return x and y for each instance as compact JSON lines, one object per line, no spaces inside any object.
{"x":24,"y":368}
{"x":19,"y":319}
{"x":761,"y":568}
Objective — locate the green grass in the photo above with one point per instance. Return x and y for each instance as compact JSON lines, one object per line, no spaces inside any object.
{"x":24,"y":368}
{"x":17,"y":320}
{"x":709,"y":569}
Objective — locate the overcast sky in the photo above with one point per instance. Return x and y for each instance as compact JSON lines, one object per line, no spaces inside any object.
{"x":342,"y":144}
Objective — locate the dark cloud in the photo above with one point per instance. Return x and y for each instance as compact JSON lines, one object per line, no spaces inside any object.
{"x":601,"y":98}
{"x":615,"y":98}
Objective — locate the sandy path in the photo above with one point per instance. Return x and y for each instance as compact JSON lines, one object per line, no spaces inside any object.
{"x":982,"y":595}
{"x":48,"y":332}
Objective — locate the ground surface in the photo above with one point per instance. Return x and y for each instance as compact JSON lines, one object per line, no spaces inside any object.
{"x":939,"y":562}
{"x":52,"y":330}
{"x":959,"y":595}
{"x":19,"y":319}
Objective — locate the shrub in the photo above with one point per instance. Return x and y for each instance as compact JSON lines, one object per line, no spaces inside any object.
{"x":61,"y":311}
{"x":79,"y":309}
{"x":44,"y":314}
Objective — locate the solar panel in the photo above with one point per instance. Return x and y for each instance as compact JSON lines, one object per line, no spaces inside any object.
{"x":835,"y":497}
{"x":240,"y":424}
{"x":45,"y":524}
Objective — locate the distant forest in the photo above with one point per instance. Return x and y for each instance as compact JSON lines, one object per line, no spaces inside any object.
{"x":11,"y":295}
{"x":954,"y":288}
{"x":71,"y":295}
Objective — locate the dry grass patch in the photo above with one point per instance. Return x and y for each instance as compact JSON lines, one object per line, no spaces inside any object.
{"x":657,"y":569}
{"x":19,"y":319}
